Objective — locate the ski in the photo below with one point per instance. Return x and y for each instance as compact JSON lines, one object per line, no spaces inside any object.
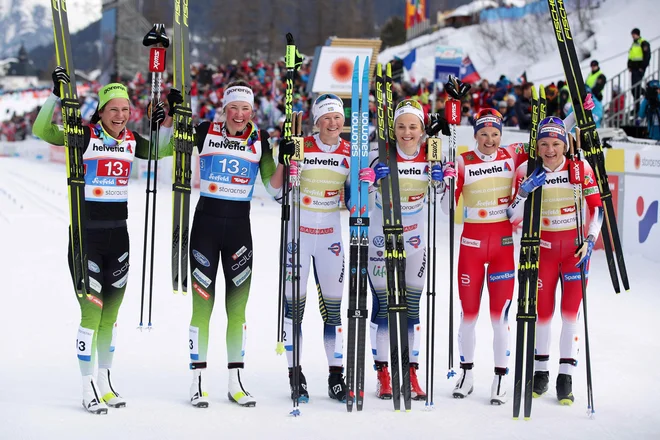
{"x":183,"y":146}
{"x":73,"y":150}
{"x":395,"y":254}
{"x":359,"y":239}
{"x":528,"y":268}
{"x":591,"y":145}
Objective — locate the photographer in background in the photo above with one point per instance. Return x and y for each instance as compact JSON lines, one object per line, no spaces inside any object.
{"x":650,"y":108}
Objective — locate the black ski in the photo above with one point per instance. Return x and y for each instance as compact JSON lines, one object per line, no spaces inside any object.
{"x":591,"y":145}
{"x":74,"y":148}
{"x":528,"y":272}
{"x":183,"y":146}
{"x":395,"y":254}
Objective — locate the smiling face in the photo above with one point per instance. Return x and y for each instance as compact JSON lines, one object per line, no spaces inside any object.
{"x":408,"y":130}
{"x":114,"y":116}
{"x":488,"y":140}
{"x":238,"y":114}
{"x":552,"y":152}
{"x":330,"y":126}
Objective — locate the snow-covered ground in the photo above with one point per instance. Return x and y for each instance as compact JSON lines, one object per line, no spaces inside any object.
{"x":40,"y":390}
{"x":613,"y":21}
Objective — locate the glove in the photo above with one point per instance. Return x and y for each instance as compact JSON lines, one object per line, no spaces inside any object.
{"x":59,"y":77}
{"x":588,"y":103}
{"x":583,"y":252}
{"x":437,"y":174}
{"x":157,"y":116}
{"x":381,"y":171}
{"x":456,"y":88}
{"x":536,"y":179}
{"x":174,"y":98}
{"x":367,"y":175}
{"x":449,"y":172}
{"x":287,"y":148}
{"x":437,"y":123}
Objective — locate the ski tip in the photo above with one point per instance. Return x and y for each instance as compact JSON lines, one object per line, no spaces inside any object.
{"x":279,"y":349}
{"x":408,"y":410}
{"x":515,"y":417}
{"x":527,"y":418}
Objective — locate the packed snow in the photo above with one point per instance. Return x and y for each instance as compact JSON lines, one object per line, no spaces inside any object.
{"x":40,"y":381}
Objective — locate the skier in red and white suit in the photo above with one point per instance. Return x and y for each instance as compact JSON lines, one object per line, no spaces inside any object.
{"x":558,"y":258}
{"x":484,"y":178}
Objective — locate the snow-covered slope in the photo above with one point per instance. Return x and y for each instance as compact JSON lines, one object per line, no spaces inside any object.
{"x":29,"y":22}
{"x":612,"y":23}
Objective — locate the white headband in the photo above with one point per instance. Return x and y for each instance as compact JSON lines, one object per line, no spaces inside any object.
{"x":327,"y":106}
{"x":238,"y":93}
{"x":411,"y":110}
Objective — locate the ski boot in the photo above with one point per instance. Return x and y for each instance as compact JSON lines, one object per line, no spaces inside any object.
{"x":383,"y":381}
{"x":465,"y":384}
{"x":541,"y":380}
{"x":198,"y":398}
{"x":416,"y":391}
{"x":336,"y":384}
{"x":565,"y":389}
{"x":498,"y":393}
{"x":236,"y":392}
{"x":303,"y":395}
{"x":92,"y":401}
{"x":110,"y":396}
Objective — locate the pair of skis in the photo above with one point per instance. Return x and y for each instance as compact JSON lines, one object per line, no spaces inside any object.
{"x":291,"y":220}
{"x":74,"y":148}
{"x":183,"y":148}
{"x":395,"y":253}
{"x":528,"y":271}
{"x":359,"y":238}
{"x":591,"y":145}
{"x":158,"y":42}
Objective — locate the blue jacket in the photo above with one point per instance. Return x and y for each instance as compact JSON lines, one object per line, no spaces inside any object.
{"x":653,"y":119}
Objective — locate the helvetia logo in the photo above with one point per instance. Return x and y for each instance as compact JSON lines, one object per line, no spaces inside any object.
{"x":648,"y":219}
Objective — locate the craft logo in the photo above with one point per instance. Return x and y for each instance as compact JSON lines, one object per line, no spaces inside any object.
{"x":335,"y":248}
{"x":648,"y":219}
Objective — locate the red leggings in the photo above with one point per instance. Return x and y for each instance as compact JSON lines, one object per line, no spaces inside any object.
{"x":495,"y":248}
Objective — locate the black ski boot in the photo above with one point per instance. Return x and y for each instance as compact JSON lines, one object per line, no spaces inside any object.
{"x":565,"y":389}
{"x":303,"y":395}
{"x":541,"y":380}
{"x":336,"y":384}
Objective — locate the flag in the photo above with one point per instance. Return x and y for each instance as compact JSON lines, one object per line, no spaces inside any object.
{"x":410,"y":59}
{"x":468,"y":73}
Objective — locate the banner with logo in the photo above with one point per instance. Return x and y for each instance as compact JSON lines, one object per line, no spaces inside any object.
{"x":334,"y":69}
{"x":641,"y":232}
{"x":448,"y":61}
{"x":415,"y":12}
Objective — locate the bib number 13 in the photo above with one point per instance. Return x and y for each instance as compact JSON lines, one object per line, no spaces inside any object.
{"x":113,"y":168}
{"x":232,"y":166}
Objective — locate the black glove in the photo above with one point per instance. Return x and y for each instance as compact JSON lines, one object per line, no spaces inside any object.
{"x":437,"y":123}
{"x":59,"y":77}
{"x":287,"y":148}
{"x":157,"y":115}
{"x":174,"y":98}
{"x":456,"y":88}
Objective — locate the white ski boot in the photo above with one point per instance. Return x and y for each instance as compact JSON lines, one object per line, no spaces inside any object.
{"x":108,"y":393}
{"x":498,"y":391}
{"x":198,"y":398}
{"x":464,"y":385}
{"x":236,"y":392}
{"x":92,"y":401}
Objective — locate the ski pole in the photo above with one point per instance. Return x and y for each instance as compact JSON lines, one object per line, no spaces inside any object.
{"x":157,"y":40}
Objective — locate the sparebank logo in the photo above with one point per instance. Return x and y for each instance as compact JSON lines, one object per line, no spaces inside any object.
{"x":647,"y":219}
